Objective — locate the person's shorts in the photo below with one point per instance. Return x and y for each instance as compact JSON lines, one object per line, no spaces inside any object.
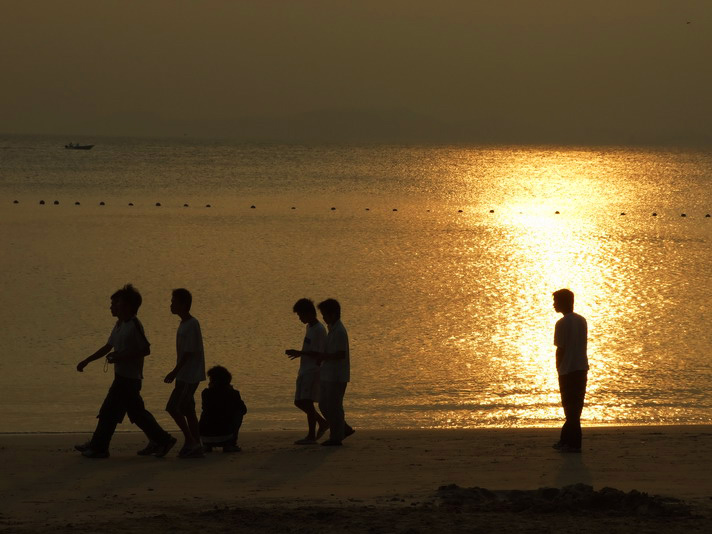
{"x":307,"y":387}
{"x":182,"y":399}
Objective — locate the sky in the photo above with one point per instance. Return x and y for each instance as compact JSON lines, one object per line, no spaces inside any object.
{"x":516,"y":71}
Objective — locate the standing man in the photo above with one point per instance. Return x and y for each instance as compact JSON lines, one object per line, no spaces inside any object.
{"x":335,"y":373}
{"x":188,"y":372}
{"x":570,"y":338}
{"x":126,"y":348}
{"x":308,"y":378}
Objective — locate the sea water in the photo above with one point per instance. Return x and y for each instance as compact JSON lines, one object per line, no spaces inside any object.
{"x":443,"y":258}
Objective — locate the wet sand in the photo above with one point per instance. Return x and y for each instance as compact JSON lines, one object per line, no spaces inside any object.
{"x":379,"y":481}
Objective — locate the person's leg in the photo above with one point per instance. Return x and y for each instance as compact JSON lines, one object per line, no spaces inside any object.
{"x":332,"y":406}
{"x":577,"y":389}
{"x":181,"y":407}
{"x":307,"y":406}
{"x":339,"y":415}
{"x":111,"y":413}
{"x":142,"y":418}
{"x":573,"y":391}
{"x":327,"y":402}
{"x":231,"y":444}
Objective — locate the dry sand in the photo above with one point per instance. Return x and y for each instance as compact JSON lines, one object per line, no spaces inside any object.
{"x":379,"y":481}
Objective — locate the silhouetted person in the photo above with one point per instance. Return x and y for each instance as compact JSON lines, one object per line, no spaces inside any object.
{"x":188,"y":372}
{"x":130,"y":347}
{"x":223,"y":410}
{"x":307,"y":391}
{"x":570,"y":338}
{"x":335,"y":373}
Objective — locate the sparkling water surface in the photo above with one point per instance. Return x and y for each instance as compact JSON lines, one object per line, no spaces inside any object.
{"x":444,"y":260}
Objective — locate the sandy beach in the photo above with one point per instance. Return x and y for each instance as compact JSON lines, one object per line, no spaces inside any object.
{"x":379,"y":481}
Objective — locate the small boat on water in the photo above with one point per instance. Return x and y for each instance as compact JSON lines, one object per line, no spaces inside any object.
{"x":77,"y":146}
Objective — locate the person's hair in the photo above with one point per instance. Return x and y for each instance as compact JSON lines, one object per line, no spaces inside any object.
{"x":331,"y":306}
{"x":130,"y":295}
{"x":220,"y":375}
{"x":304,"y":306}
{"x":183,"y":296}
{"x":565,"y":297}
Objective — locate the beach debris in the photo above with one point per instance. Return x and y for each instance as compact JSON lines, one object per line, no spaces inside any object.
{"x":574,"y":498}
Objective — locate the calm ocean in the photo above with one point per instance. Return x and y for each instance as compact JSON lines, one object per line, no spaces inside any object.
{"x":444,"y":260}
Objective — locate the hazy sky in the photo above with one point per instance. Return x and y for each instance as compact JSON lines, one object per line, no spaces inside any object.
{"x":532,"y":68}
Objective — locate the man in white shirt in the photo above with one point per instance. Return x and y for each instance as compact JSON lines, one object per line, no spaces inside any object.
{"x":307,"y":391}
{"x":570,"y":339}
{"x":130,"y":346}
{"x":188,"y":373}
{"x":335,"y":373}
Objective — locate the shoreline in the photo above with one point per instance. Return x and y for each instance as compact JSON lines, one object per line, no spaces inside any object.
{"x":133,"y":429}
{"x":47,"y":485}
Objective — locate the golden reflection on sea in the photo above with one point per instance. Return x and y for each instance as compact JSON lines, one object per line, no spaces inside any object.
{"x":548,"y":239}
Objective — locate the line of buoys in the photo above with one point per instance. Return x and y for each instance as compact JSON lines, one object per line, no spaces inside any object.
{"x":333,"y":208}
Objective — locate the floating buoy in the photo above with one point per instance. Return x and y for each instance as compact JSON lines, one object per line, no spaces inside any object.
{"x":41,"y":202}
{"x":56,"y":202}
{"x":158,"y":204}
{"x":77,"y":203}
{"x":102,"y":203}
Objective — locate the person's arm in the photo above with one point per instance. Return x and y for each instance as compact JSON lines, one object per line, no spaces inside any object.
{"x":294,"y":353}
{"x":103,"y":351}
{"x":182,"y":360}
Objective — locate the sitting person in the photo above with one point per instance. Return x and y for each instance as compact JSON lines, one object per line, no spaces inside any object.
{"x":222,"y":413}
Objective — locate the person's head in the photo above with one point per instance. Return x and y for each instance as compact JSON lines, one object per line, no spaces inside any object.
{"x":125,"y":302}
{"x":563,"y":300}
{"x":330,"y":310}
{"x":305,"y":310}
{"x":219,"y":376}
{"x":181,"y":301}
